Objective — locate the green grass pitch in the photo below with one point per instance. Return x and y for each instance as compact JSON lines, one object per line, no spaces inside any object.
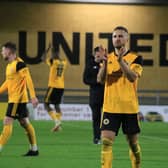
{"x":72,"y":147}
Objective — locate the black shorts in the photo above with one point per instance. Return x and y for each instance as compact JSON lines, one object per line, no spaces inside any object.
{"x":54,"y":95}
{"x":17,"y":110}
{"x":113,"y":121}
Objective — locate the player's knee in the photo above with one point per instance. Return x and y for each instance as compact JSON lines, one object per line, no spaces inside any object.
{"x":135,"y":147}
{"x":23,"y":122}
{"x":133,"y":142}
{"x":8,"y":121}
{"x":106,"y":144}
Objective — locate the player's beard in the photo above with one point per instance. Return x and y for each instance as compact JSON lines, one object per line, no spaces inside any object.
{"x":6,"y":58}
{"x":119,"y":46}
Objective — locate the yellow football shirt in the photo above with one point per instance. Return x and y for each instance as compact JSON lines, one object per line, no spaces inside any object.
{"x":18,"y":80}
{"x":57,"y":72}
{"x":120,"y":94}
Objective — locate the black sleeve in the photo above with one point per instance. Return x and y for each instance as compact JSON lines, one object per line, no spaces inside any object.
{"x":89,"y":75}
{"x":20,"y":65}
{"x":86,"y":75}
{"x":51,"y":61}
{"x":139,"y":60}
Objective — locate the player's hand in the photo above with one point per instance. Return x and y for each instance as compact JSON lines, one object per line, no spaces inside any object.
{"x":49,"y":46}
{"x":103,"y":53}
{"x":121,"y":53}
{"x":34,"y":102}
{"x":43,"y":57}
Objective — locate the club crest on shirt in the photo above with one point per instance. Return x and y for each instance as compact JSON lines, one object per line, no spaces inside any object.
{"x":95,"y":67}
{"x":106,"y":121}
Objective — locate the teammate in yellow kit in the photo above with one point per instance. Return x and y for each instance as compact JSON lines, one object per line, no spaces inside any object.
{"x":120,"y":71}
{"x":55,"y":85}
{"x":18,"y":80}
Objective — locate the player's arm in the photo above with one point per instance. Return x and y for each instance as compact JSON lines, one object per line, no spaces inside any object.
{"x":101,"y":76}
{"x":24,"y":72}
{"x":4,"y":87}
{"x":128,"y":72}
{"x":31,"y":89}
{"x":131,"y":72}
{"x":44,"y":55}
{"x":131,"y":75}
{"x":88,"y":77}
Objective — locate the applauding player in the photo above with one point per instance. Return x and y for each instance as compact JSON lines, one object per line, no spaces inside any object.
{"x":120,"y":71}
